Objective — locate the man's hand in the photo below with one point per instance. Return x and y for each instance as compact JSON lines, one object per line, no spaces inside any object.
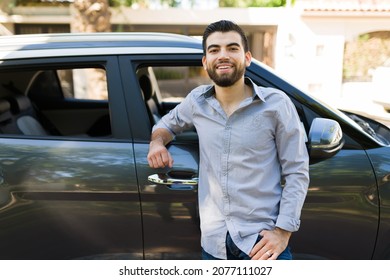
{"x":159,"y":156}
{"x":271,"y":245}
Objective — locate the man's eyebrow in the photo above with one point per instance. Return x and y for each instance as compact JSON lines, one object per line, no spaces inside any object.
{"x":234,"y":44}
{"x":228,"y":45}
{"x":213,"y":46}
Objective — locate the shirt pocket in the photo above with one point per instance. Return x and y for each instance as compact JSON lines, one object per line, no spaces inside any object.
{"x":257,"y":131}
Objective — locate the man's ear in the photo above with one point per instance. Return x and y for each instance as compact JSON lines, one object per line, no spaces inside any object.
{"x":204,"y":62}
{"x":248,"y":58}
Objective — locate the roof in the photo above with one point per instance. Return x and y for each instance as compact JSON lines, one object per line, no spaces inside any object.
{"x":18,"y":46}
{"x":345,"y":5}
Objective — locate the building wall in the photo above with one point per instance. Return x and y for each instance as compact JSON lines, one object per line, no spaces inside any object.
{"x":305,"y":47}
{"x":320,"y":48}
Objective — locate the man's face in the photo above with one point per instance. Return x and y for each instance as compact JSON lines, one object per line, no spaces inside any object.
{"x":225,"y":59}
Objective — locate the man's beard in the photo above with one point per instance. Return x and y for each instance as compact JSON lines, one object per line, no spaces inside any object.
{"x":225,"y":80}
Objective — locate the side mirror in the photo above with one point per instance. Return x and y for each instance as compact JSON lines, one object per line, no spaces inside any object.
{"x":325,"y":139}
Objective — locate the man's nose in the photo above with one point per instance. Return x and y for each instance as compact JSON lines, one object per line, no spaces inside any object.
{"x":224,"y":54}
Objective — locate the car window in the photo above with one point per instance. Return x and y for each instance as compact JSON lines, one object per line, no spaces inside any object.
{"x":176,"y":82}
{"x":163,"y":87}
{"x":85,"y":83}
{"x":65,"y":102}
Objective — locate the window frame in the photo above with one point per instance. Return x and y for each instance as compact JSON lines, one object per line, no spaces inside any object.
{"x":129,"y":64}
{"x":119,"y":123}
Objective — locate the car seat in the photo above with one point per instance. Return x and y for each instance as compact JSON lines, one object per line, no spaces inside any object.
{"x":7,"y":126}
{"x":25,"y":117}
{"x":151,"y":105}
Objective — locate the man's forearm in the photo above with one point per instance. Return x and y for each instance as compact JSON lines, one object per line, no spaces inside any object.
{"x":161,"y":136}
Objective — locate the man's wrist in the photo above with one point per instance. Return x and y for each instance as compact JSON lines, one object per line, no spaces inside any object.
{"x":158,"y":140}
{"x":283,"y":232}
{"x":161,"y":137}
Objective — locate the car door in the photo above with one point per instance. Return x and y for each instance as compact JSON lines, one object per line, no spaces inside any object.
{"x":341,"y":209}
{"x":68,"y":196}
{"x":169,"y":209}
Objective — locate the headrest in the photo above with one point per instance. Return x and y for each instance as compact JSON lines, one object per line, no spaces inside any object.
{"x":4,"y":106}
{"x":5,"y":112}
{"x":146,"y":86}
{"x":19,"y":103}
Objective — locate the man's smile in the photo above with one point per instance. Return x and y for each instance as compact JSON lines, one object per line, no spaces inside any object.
{"x":224,"y":67}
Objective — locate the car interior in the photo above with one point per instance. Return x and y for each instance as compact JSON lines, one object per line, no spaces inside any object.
{"x":68,"y":102}
{"x":163,"y":87}
{"x":58,"y":102}
{"x":19,"y":116}
{"x":36,"y":103}
{"x":150,"y":93}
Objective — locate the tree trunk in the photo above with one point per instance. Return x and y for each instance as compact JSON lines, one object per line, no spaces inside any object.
{"x":92,"y":16}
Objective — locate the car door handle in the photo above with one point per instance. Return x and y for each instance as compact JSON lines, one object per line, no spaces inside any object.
{"x":182,"y":180}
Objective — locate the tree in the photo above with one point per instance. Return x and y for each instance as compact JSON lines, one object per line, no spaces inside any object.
{"x":253,"y":3}
{"x":222,"y":3}
{"x":92,"y":16}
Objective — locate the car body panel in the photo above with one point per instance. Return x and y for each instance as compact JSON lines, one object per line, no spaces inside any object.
{"x":86,"y":44}
{"x":58,"y":194}
{"x":342,"y":207}
{"x":380,"y":159}
{"x":170,"y":214}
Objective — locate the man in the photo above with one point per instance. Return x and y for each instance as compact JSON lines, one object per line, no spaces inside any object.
{"x":253,"y":173}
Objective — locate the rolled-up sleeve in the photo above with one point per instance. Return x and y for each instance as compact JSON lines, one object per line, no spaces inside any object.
{"x":178,"y":119}
{"x":294,"y":160}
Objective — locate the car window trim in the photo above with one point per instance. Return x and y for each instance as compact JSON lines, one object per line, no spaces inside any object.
{"x":119,"y":125}
{"x":129,"y":64}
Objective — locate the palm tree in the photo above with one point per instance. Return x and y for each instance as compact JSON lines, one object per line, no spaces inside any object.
{"x":92,"y":16}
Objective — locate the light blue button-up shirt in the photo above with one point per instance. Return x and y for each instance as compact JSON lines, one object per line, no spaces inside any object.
{"x":244,"y":159}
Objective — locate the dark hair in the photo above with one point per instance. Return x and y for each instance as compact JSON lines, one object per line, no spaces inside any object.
{"x":224,"y":26}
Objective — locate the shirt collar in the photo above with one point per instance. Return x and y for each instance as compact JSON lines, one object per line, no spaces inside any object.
{"x":257,"y":92}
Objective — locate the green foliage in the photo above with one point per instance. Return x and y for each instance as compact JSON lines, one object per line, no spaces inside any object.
{"x":42,"y":2}
{"x":170,"y":3}
{"x":129,"y":3}
{"x":118,"y":3}
{"x":253,"y":3}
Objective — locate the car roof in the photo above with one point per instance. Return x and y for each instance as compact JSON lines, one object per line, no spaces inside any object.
{"x":68,"y":44}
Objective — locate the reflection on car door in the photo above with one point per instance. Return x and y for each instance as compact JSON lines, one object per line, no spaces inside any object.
{"x":69,"y":197}
{"x":68,"y":200}
{"x":340,"y":214}
{"x":170,"y":211}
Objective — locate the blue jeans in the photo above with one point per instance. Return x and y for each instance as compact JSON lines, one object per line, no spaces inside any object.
{"x":234,"y":253}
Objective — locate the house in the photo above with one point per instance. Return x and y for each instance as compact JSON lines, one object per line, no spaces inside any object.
{"x":305,"y":43}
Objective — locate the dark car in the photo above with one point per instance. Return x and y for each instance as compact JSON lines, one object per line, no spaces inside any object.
{"x":76,"y":112}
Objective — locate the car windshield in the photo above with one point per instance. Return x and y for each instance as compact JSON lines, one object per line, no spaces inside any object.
{"x":375,"y":129}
